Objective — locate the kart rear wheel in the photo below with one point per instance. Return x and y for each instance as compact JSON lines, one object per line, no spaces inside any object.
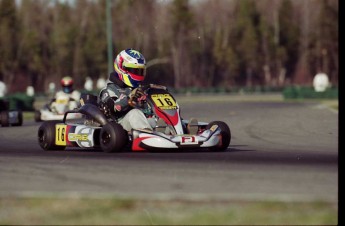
{"x":46,"y":136}
{"x":19,"y":118}
{"x":38,"y":116}
{"x":113,"y":138}
{"x":4,"y":118}
{"x":225,"y":133}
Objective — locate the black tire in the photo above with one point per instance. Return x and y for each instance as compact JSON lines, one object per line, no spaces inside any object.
{"x":225,"y":132}
{"x":38,"y":116}
{"x":20,"y":119}
{"x":113,"y":138}
{"x":46,"y":136}
{"x":4,"y":118}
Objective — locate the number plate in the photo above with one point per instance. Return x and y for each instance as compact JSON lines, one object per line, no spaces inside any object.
{"x":164,"y":101}
{"x":60,"y":135}
{"x":62,"y":101}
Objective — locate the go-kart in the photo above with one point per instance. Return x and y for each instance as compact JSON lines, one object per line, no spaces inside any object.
{"x":9,"y":117}
{"x":56,"y":109}
{"x":99,"y":130}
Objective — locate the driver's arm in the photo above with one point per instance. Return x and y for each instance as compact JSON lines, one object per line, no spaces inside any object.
{"x":115,"y":100}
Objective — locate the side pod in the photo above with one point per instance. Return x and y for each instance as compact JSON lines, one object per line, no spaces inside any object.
{"x":91,"y":111}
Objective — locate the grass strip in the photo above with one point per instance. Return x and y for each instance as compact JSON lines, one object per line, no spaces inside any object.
{"x":115,"y":211}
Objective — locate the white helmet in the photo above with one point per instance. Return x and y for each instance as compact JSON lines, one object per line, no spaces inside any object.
{"x":130,"y":66}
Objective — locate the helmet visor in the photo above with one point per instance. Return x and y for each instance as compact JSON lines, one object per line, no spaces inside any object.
{"x":135,"y":71}
{"x":67,"y":89}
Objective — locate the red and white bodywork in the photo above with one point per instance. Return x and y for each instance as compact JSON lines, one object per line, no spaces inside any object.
{"x":165,"y":107}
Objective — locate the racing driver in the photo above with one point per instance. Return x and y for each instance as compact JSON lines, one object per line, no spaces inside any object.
{"x":67,"y":92}
{"x":122,"y":93}
{"x":122,"y":89}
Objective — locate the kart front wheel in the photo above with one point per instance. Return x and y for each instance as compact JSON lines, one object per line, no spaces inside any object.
{"x":225,"y":133}
{"x":38,"y":116}
{"x":4,"y":119}
{"x":46,"y":136}
{"x":113,"y":137}
{"x":19,"y":119}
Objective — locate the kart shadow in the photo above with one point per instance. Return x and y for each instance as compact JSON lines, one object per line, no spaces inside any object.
{"x":232,"y":148}
{"x":229,"y":149}
{"x":76,"y":149}
{"x":239,"y":150}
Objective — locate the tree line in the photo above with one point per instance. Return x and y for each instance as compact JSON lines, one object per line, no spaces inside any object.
{"x":200,"y":43}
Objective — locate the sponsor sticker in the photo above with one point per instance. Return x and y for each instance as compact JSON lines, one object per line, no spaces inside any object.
{"x":213,"y":128}
{"x":117,"y":107}
{"x":77,"y":137}
{"x":187,"y":140}
{"x":82,"y":135}
{"x":122,"y":96}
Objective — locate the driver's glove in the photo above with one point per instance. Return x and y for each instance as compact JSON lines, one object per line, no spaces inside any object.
{"x":136,"y":97}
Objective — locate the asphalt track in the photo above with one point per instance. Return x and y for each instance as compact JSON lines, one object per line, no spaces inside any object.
{"x":279,"y":151}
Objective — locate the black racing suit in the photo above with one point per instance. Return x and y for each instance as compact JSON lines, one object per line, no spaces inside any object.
{"x":116,"y":95}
